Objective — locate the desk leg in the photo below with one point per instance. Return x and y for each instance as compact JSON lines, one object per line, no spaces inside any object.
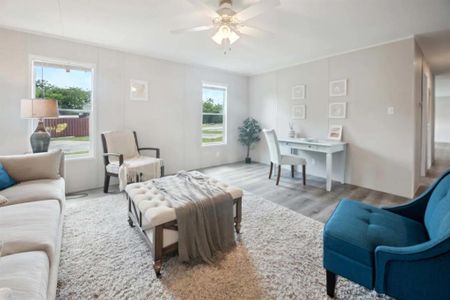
{"x":344,"y":165}
{"x":329,"y":164}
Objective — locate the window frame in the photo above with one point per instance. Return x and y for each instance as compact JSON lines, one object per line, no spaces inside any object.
{"x":93,"y":114}
{"x":223,"y":114}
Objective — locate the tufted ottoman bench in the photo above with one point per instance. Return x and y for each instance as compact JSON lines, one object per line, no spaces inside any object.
{"x":148,"y":208}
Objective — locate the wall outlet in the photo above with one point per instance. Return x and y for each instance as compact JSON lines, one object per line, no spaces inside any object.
{"x":390,"y":110}
{"x":313,"y":162}
{"x":217,"y":154}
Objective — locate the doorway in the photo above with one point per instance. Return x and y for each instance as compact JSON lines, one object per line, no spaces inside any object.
{"x":442,"y":125}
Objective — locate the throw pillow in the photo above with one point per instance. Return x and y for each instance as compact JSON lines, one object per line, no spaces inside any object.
{"x":33,"y":166}
{"x":5,"y":180}
{"x":3,"y":200}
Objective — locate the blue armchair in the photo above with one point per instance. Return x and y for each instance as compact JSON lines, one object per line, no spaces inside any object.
{"x":402,"y":251}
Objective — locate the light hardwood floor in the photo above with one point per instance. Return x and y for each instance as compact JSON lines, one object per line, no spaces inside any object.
{"x":311,"y":200}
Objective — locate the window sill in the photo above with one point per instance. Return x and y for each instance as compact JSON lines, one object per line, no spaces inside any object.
{"x":214,"y":144}
{"x":90,"y":157}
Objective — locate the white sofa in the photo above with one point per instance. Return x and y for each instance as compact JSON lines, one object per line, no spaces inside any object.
{"x":31,"y":225}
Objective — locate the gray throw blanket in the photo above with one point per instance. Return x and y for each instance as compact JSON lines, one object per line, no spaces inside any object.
{"x":204,"y":215}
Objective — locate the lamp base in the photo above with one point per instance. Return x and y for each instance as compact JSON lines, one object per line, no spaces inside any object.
{"x":40,"y":139}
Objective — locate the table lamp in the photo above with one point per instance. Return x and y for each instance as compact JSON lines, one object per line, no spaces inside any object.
{"x":39,"y":109}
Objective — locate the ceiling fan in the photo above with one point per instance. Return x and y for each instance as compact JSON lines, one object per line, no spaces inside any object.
{"x":227,"y":24}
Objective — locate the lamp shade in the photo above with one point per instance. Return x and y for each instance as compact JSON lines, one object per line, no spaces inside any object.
{"x":38,"y":108}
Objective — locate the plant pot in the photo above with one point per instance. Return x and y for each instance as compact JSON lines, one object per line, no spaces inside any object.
{"x":248,"y":160}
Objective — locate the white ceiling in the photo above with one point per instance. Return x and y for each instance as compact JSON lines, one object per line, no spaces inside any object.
{"x":436,"y":48}
{"x":305,"y":29}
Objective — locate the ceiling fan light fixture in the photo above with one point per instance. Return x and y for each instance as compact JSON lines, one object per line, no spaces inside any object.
{"x":225,"y":33}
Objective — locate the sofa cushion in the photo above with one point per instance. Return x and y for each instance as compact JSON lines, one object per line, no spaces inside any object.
{"x":5,"y":180}
{"x":356,"y":229}
{"x":437,"y":214}
{"x":35,"y":190}
{"x":32,"y":226}
{"x":25,"y":274}
{"x":33,"y":166}
{"x":6,"y":294}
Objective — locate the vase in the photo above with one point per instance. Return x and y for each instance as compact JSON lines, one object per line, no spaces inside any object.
{"x":291,"y":133}
{"x":248,"y":160}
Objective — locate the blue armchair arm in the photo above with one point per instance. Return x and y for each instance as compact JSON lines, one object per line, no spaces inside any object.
{"x":400,"y":264}
{"x":416,"y":208}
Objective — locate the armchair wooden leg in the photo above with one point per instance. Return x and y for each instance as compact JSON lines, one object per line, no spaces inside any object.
{"x":271,"y":169}
{"x":292,"y":171}
{"x":304,"y":174}
{"x":106,"y":184}
{"x":331,"y":283}
{"x":278,"y":175}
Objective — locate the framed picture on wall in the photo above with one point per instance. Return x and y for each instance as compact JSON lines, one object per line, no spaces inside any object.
{"x":335,"y":132}
{"x":338,"y":88}
{"x":337,"y":110}
{"x":298,"y":92}
{"x":138,"y":90}
{"x":298,"y":112}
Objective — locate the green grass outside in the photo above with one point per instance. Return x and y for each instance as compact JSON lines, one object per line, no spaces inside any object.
{"x":72,"y":138}
{"x":214,"y":140}
{"x":205,"y":131}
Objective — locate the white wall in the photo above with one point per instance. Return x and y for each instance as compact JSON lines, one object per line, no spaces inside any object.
{"x":381,"y":146}
{"x":170,"y":120}
{"x":442,"y":131}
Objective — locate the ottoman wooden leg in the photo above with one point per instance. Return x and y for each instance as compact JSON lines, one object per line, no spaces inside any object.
{"x":158,"y":242}
{"x":331,"y":283}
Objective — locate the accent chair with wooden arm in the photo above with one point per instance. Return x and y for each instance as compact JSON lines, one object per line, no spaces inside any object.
{"x":120,"y":147}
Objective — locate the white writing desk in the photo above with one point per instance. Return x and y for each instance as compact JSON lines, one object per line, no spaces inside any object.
{"x":322,"y":146}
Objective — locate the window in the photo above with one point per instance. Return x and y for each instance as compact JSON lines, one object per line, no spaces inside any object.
{"x":71,"y":85}
{"x":214,"y":115}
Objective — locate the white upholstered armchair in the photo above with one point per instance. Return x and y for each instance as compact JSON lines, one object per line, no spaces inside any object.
{"x":123,"y":159}
{"x":282,"y":159}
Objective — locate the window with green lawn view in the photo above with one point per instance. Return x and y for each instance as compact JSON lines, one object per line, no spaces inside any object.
{"x":71,"y":85}
{"x":214,"y":115}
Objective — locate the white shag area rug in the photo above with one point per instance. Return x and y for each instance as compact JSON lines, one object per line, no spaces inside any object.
{"x":279,"y":256}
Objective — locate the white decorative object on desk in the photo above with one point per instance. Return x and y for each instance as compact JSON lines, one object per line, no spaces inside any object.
{"x":138,"y":90}
{"x":299,"y":112}
{"x":338,"y":88}
{"x":335,"y":132}
{"x":337,"y":110}
{"x":291,"y":130}
{"x":299,"y":92}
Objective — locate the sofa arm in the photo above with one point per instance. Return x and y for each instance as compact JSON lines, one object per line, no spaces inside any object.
{"x":418,"y":260}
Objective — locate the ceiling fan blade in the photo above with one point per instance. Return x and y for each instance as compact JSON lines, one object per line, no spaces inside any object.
{"x":256,"y":32}
{"x":192,"y":29}
{"x":256,"y":9}
{"x":199,"y":4}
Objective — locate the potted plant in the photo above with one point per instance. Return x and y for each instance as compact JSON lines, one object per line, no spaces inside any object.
{"x":249,"y":135}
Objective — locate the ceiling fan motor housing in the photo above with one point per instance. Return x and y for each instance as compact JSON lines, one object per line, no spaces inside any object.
{"x":229,"y":2}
